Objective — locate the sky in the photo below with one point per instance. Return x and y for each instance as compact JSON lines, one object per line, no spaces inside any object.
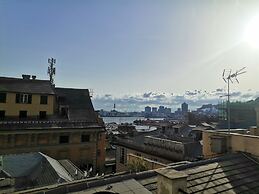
{"x":133,"y":52}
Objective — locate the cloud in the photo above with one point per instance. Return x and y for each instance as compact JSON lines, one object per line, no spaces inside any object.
{"x":190,"y":93}
{"x":147,"y":95}
{"x":195,"y":99}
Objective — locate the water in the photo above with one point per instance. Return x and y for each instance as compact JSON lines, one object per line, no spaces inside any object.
{"x":120,"y":120}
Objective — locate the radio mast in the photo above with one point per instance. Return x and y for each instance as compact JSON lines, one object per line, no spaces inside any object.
{"x":51,"y":69}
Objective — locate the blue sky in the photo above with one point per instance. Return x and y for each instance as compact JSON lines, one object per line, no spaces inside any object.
{"x":124,"y":49}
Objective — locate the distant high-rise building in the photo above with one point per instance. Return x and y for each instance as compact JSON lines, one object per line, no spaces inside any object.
{"x":184,"y":107}
{"x":154,"y":109}
{"x":161,"y":109}
{"x":168,"y":110}
{"x":147,"y":109}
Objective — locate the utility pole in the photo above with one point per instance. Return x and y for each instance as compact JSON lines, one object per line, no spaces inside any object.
{"x":228,"y":78}
{"x":51,"y":69}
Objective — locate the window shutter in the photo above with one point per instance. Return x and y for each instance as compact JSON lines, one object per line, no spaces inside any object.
{"x":17,"y":98}
{"x":29,"y":98}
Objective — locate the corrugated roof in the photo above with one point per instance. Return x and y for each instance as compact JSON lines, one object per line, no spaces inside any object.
{"x":8,"y":84}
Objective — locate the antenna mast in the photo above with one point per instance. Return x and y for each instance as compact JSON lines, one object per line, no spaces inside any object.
{"x":51,"y":69}
{"x":226,"y":79}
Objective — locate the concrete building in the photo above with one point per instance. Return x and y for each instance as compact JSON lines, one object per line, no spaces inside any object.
{"x":154,"y":109}
{"x":161,"y":109}
{"x":158,"y":145}
{"x":184,"y":107}
{"x":59,"y":122}
{"x":147,"y":109}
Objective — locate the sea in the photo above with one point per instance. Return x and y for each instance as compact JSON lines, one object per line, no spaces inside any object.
{"x":120,"y":120}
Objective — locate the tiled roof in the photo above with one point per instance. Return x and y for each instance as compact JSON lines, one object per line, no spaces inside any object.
{"x":79,"y":103}
{"x":235,"y":173}
{"x":130,"y":186}
{"x":25,"y":86}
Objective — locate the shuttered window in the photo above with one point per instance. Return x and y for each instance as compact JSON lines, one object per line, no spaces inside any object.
{"x":23,"y":98}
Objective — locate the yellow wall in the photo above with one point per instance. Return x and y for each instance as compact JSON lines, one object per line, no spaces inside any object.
{"x":123,"y":167}
{"x":12,"y":108}
{"x":236,"y":142}
{"x":47,"y":142}
{"x":149,"y":164}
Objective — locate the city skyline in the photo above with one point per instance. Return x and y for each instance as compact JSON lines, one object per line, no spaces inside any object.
{"x":125,"y":50}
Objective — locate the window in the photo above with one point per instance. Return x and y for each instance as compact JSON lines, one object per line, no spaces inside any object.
{"x":63,"y":139}
{"x":98,"y":152}
{"x":2,"y":114}
{"x":23,"y":98}
{"x":9,"y":139}
{"x":85,"y":138}
{"x":2,"y":97}
{"x":218,"y":144}
{"x":122,"y":155}
{"x":43,"y":114}
{"x":43,"y":99}
{"x":23,"y":114}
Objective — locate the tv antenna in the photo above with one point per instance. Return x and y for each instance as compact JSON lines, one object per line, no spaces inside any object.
{"x":51,"y":69}
{"x":228,"y":77}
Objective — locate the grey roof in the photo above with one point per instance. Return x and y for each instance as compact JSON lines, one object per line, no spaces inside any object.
{"x":25,"y":86}
{"x":34,"y":170}
{"x":235,"y":173}
{"x":79,"y":103}
{"x":130,"y":186}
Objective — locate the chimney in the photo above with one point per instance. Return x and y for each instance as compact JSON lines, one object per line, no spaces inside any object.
{"x":26,"y":77}
{"x":170,"y":181}
{"x":33,"y":77}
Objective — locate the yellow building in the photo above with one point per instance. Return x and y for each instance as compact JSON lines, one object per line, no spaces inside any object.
{"x":60,"y":122}
{"x":26,"y":98}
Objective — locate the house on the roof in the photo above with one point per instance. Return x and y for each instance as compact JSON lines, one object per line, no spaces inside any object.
{"x":60,"y":122}
{"x":30,"y":170}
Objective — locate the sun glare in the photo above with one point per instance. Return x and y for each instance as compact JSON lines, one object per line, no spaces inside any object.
{"x":252,"y":32}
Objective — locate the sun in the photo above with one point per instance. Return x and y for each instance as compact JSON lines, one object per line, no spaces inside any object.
{"x":251,"y":35}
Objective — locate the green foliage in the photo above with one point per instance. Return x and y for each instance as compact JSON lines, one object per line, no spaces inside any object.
{"x":137,"y":165}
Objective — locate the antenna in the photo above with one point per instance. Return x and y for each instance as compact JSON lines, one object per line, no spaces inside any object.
{"x":228,"y":78}
{"x":51,"y":69}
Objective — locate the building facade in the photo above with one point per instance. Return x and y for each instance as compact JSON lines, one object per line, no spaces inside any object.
{"x":60,"y":122}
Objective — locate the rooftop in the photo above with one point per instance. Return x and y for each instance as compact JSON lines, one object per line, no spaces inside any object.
{"x":37,"y":169}
{"x":36,"y":86}
{"x":233,"y":173}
